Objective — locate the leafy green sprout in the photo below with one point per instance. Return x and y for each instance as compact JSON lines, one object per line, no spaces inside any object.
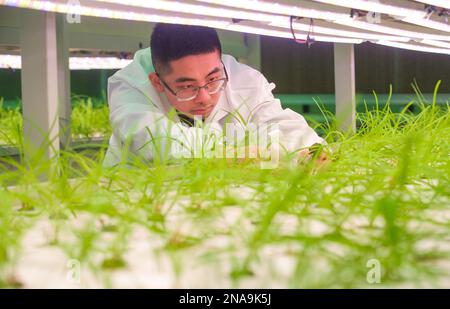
{"x":384,"y":196}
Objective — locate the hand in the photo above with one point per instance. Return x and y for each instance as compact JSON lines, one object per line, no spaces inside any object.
{"x":316,"y":152}
{"x":243,"y":154}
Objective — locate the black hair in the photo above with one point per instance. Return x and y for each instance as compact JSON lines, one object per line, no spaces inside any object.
{"x":171,"y":42}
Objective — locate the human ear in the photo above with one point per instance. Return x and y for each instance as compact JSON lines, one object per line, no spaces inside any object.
{"x":156,"y":82}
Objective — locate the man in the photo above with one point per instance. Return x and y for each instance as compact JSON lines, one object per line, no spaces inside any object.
{"x":154,"y":100}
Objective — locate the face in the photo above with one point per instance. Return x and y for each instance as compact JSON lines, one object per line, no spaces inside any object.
{"x":192,"y":71}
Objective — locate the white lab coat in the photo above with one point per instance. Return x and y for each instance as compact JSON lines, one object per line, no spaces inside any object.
{"x":136,"y":109}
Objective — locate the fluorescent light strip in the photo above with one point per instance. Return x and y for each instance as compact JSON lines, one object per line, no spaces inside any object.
{"x":87,"y":63}
{"x":95,"y":9}
{"x":415,"y":47}
{"x":62,"y":7}
{"x":10,"y":62}
{"x":75,"y":63}
{"x":438,"y":3}
{"x":339,"y":18}
{"x":389,"y":30}
{"x":376,"y":6}
{"x":343,"y":33}
{"x":278,"y":8}
{"x":288,"y":34}
{"x":429,"y":23}
{"x":275,"y":20}
{"x":436,"y":43}
{"x":188,"y":8}
{"x":415,"y":17}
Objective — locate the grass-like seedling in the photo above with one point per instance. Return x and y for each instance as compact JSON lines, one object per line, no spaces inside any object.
{"x":10,"y":124}
{"x":89,"y":119}
{"x":377,"y":216}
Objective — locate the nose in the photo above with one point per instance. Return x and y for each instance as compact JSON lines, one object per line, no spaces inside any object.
{"x":203,"y":96}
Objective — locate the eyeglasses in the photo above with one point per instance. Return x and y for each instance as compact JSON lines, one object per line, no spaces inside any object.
{"x":189,"y":93}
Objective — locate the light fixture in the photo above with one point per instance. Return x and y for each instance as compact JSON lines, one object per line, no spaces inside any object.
{"x":257,"y":16}
{"x":200,"y":9}
{"x":436,"y":43}
{"x":300,"y":9}
{"x":415,"y":47}
{"x":10,"y":62}
{"x":112,"y":11}
{"x":274,"y":20}
{"x":417,"y":17}
{"x":75,"y":63}
{"x":287,"y":34}
{"x":376,"y":6}
{"x":428,"y":23}
{"x":439,"y":3}
{"x":88,"y":63}
{"x":342,"y":33}
{"x":389,"y":30}
{"x":98,"y":9}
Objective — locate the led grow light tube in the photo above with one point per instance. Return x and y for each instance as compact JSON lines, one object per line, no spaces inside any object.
{"x":118,"y":11}
{"x":10,"y":62}
{"x":288,"y":34}
{"x":416,"y":17}
{"x":415,"y":47}
{"x":338,"y":18}
{"x":275,"y":20}
{"x":87,"y":63}
{"x":75,"y":63}
{"x":375,"y":6}
{"x":389,"y":30}
{"x":343,"y":33}
{"x":201,"y":9}
{"x":62,"y":7}
{"x":279,"y":8}
{"x":438,"y":3}
{"x":436,"y":43}
{"x":428,"y":23}
{"x":93,"y":8}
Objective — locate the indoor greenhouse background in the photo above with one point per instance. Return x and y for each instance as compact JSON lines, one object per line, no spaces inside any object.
{"x":382,"y":203}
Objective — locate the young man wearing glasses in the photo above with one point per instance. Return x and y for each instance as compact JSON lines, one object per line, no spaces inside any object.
{"x":184,"y":76}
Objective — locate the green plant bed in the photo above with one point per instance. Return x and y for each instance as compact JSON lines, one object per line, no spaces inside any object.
{"x":309,"y":104}
{"x":90,"y":115}
{"x":377,"y":216}
{"x":89,"y":119}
